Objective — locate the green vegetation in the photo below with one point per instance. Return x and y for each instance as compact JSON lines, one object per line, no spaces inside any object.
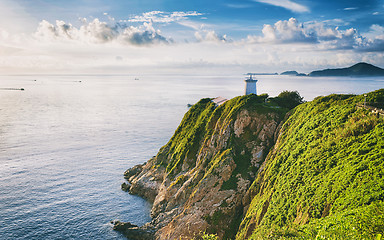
{"x":185,"y":142}
{"x":207,"y":236}
{"x":325,"y":177}
{"x":198,"y":124}
{"x":179,"y":180}
{"x":288,"y":99}
{"x":193,"y":138}
{"x":210,"y":237}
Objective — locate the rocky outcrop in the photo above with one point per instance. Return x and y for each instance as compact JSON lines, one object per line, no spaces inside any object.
{"x":198,"y":180}
{"x":134,"y":232}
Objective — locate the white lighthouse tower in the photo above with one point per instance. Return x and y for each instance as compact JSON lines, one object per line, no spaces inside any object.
{"x":250,"y":85}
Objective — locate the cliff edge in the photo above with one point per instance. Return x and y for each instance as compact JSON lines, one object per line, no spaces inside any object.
{"x":199,"y":179}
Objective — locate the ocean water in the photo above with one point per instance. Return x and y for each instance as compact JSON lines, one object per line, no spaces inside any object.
{"x":66,"y":140}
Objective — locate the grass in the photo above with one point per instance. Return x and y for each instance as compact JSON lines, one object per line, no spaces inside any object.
{"x":325,"y":177}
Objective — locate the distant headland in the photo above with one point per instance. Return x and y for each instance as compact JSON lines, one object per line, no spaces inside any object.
{"x":358,"y":70}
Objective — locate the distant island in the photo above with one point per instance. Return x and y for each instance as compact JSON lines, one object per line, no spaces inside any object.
{"x":289,"y":73}
{"x":359,"y":69}
{"x":293,"y":73}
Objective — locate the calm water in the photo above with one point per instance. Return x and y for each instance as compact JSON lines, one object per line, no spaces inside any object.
{"x":65,"y":144}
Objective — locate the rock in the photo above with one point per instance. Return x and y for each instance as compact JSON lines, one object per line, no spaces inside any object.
{"x":125,"y":187}
{"x":133,"y":171}
{"x":134,"y":232}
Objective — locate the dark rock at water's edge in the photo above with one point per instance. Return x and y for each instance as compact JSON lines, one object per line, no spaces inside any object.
{"x":133,"y":171}
{"x":125,"y":186}
{"x":133,"y":231}
{"x":359,"y":69}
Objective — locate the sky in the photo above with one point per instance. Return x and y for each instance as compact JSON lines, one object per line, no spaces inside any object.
{"x":214,"y":37}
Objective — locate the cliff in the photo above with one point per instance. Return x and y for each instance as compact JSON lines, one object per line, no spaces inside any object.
{"x":359,"y":69}
{"x":240,"y":171}
{"x":198,"y":180}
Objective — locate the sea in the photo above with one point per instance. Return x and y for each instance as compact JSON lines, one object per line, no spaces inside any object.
{"x":66,"y":140}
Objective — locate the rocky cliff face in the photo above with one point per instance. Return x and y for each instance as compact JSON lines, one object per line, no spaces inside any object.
{"x":198,"y":181}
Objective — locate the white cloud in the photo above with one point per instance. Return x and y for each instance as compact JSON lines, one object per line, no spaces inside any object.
{"x":335,"y":22}
{"x":143,"y":35}
{"x":290,"y":31}
{"x":237,"y":6}
{"x":210,"y":36}
{"x":321,"y":35}
{"x":376,"y":31}
{"x":350,"y":8}
{"x":374,"y":39}
{"x":97,"y":31}
{"x":100,"y":47}
{"x":287,"y":4}
{"x":163,"y":17}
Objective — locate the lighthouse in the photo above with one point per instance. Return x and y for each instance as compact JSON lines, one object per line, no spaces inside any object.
{"x":250,"y":85}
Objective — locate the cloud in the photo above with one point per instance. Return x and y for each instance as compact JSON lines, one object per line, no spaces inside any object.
{"x":374,"y":40}
{"x":287,"y":4}
{"x":350,"y":8}
{"x":99,"y":32}
{"x":335,"y":22}
{"x":95,"y":46}
{"x":237,"y":6}
{"x":210,"y":36}
{"x":138,"y":36}
{"x":290,"y":31}
{"x":163,"y":17}
{"x":321,"y":35}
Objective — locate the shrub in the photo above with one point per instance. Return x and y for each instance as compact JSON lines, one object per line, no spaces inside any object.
{"x":288,"y":99}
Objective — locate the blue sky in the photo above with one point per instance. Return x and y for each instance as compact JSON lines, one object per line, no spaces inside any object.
{"x":173,"y":35}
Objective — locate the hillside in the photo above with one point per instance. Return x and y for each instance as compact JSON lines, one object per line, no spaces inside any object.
{"x":198,"y":180}
{"x":248,"y":170}
{"x":324,"y":179}
{"x":359,"y":69}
